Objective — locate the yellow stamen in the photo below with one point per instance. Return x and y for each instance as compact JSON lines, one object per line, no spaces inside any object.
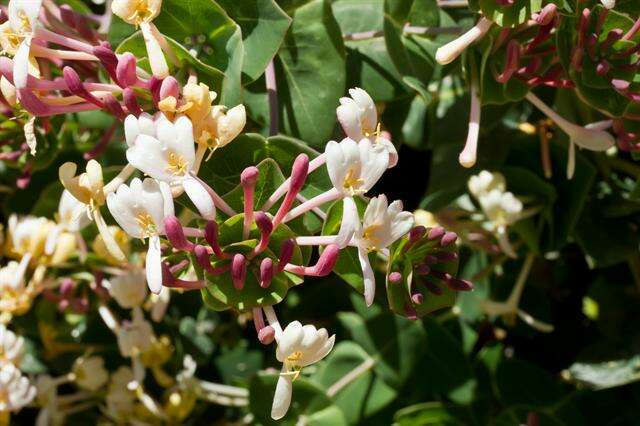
{"x":177,"y":164}
{"x":146,"y":223}
{"x":352,"y":182}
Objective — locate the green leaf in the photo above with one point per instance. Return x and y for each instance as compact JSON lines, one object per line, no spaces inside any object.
{"x":510,"y":15}
{"x":394,"y":343}
{"x":264,"y":26}
{"x":521,"y":382}
{"x":309,"y":402}
{"x":361,"y":398}
{"x":605,"y":375}
{"x":431,"y":413}
{"x":311,"y":73}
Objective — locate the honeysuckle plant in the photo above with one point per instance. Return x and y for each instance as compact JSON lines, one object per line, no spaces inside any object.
{"x":388,"y":194}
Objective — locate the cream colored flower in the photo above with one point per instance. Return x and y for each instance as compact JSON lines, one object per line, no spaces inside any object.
{"x":136,"y":336}
{"x":90,"y":373}
{"x":129,"y":289}
{"x":135,"y":12}
{"x":16,"y":390}
{"x":119,"y":399}
{"x":11,"y":347}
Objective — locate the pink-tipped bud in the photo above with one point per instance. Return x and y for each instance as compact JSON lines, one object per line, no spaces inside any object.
{"x":547,"y":14}
{"x":436,"y":233}
{"x":603,"y":67}
{"x":154,"y":87}
{"x":395,"y":277}
{"x":416,"y":233}
{"x":131,"y":101}
{"x":410,"y":312}
{"x":447,"y":256}
{"x":238,"y":271}
{"x":202,"y":257}
{"x":511,"y":63}
{"x":286,"y":254}
{"x":169,"y":87}
{"x":211,"y":236}
{"x":448,"y":238}
{"x":112,"y":105}
{"x":417,"y":298}
{"x":433,"y":288}
{"x":175,"y":234}
{"x":612,"y":36}
{"x":264,"y":223}
{"x":326,"y":261}
{"x":168,"y":279}
{"x":458,"y":284}
{"x":109,"y":60}
{"x":249,"y":177}
{"x":430,"y":259}
{"x":266,"y":272}
{"x":75,"y":86}
{"x":299,"y":173}
{"x":619,"y":84}
{"x":266,"y":335}
{"x":67,"y":15}
{"x":126,"y":69}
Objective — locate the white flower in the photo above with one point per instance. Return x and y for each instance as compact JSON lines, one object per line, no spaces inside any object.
{"x":16,"y":390}
{"x":16,"y":36}
{"x":166,"y":151}
{"x":140,"y":210}
{"x":28,"y":234}
{"x":608,"y":4}
{"x":354,"y":168}
{"x":298,"y":347}
{"x":72,"y":214}
{"x":90,"y":373}
{"x":15,"y":294}
{"x":135,"y":12}
{"x":12,"y":276}
{"x":382,"y":225}
{"x":47,"y":399}
{"x":486,"y":181}
{"x":129,"y":289}
{"x":11,"y":347}
{"x":136,"y":336}
{"x":501,"y":208}
{"x":359,"y":119}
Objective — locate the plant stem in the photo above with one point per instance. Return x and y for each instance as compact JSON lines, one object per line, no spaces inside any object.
{"x":272,"y":93}
{"x":352,"y":376}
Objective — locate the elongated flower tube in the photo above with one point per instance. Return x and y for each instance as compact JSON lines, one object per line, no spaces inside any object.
{"x":140,"y":209}
{"x":591,"y":139}
{"x":469,"y":154}
{"x":382,"y":225}
{"x":298,"y":347}
{"x":17,"y":34}
{"x":358,"y":117}
{"x":165,"y":151}
{"x":450,"y":51}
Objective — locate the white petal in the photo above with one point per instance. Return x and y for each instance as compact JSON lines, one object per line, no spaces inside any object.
{"x":123,"y":214}
{"x":131,"y":129}
{"x":183,"y":144}
{"x":282,"y":396}
{"x":375,"y":161}
{"x":152,"y":200}
{"x":571,"y":162}
{"x":369,"y":113}
{"x":290,"y":339}
{"x":147,"y":125}
{"x":153,"y":265}
{"x":146,"y":155}
{"x":400,"y":225}
{"x":350,"y":222}
{"x":368,"y":275}
{"x":167,"y":197}
{"x":335,"y":164}
{"x":391,"y":149}
{"x":200,"y":198}
{"x":23,"y":8}
{"x":157,"y":61}
{"x":21,"y":64}
{"x":348,"y":115}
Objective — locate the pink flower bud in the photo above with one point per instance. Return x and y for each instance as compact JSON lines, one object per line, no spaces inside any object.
{"x":266,"y":335}
{"x":126,"y":69}
{"x":131,"y":101}
{"x":266,"y":272}
{"x":67,"y":15}
{"x":299,"y":172}
{"x":175,"y":234}
{"x":603,"y":67}
{"x":249,"y":177}
{"x":457,"y":284}
{"x":31,"y":103}
{"x":238,"y":271}
{"x":410,"y":312}
{"x":423,"y":269}
{"x":326,"y":261}
{"x":433,"y":288}
{"x":154,"y":88}
{"x":211,"y":236}
{"x":66,"y":286}
{"x":547,"y":14}
{"x":448,"y":238}
{"x":169,"y":87}
{"x":75,"y":86}
{"x":417,"y":298}
{"x":202,"y":257}
{"x":395,"y":277}
{"x":447,"y":256}
{"x":435,"y":233}
{"x":286,"y":253}
{"x":109,"y":60}
{"x":612,"y":36}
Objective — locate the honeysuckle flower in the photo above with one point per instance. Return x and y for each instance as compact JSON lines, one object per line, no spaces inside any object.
{"x":16,"y":389}
{"x":450,"y":51}
{"x":16,"y":37}
{"x":157,"y":304}
{"x":355,"y":167}
{"x":608,"y":4}
{"x":27,"y":235}
{"x":47,"y":399}
{"x":129,"y":289}
{"x":500,"y":207}
{"x":11,"y":347}
{"x":141,"y":13}
{"x":358,"y":116}
{"x":468,"y":156}
{"x":89,"y":373}
{"x":120,"y":400}
{"x":425,"y":219}
{"x":135,"y":336}
{"x":166,"y":152}
{"x":8,"y":91}
{"x":121,"y":238}
{"x":89,"y":189}
{"x":16,"y":295}
{"x":298,"y":347}
{"x":382,"y":225}
{"x":140,"y":209}
{"x":593,"y":139}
